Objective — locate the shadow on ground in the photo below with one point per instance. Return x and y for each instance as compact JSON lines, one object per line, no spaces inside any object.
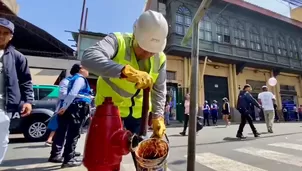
{"x":32,"y":147}
{"x":23,"y":161}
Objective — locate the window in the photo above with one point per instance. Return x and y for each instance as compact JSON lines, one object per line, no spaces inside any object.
{"x":183,"y":20}
{"x":223,"y":31}
{"x":281,"y":47}
{"x":239,"y":35}
{"x":268,"y":42}
{"x":205,"y":29}
{"x":255,"y":39}
{"x":293,"y":51}
{"x":44,"y":93}
{"x":171,"y":75}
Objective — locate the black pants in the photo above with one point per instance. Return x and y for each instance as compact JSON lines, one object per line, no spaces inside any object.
{"x":69,"y":125}
{"x":132,"y":125}
{"x":214,"y":118}
{"x":186,"y":120}
{"x":206,"y":117}
{"x":246,"y":116}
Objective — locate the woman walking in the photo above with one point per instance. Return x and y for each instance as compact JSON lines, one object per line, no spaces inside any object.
{"x":226,"y":111}
{"x":186,"y":114}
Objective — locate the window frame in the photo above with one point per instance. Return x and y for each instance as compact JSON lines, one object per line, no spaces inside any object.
{"x":268,"y":42}
{"x":223,"y":24}
{"x":255,"y":43}
{"x":239,"y":35}
{"x":293,"y":49}
{"x":204,"y":32}
{"x":281,"y":46}
{"x":183,"y":19}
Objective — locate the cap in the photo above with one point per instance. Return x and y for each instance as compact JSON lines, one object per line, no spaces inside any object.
{"x":246,"y":86}
{"x":225,"y":99}
{"x":151,"y":31}
{"x":7,"y":24}
{"x":264,"y":86}
{"x":75,"y":69}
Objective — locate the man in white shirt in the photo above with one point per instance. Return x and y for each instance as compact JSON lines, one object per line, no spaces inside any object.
{"x":266,"y":99}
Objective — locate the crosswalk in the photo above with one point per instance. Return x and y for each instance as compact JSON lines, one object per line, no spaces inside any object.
{"x":218,"y":162}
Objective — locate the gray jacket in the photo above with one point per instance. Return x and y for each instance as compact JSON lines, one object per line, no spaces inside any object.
{"x":98,"y":60}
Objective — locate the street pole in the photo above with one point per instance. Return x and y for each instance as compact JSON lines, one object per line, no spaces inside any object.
{"x":193,"y":33}
{"x":193,"y":98}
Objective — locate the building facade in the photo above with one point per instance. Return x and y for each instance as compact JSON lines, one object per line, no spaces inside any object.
{"x":296,"y":13}
{"x":245,"y":43}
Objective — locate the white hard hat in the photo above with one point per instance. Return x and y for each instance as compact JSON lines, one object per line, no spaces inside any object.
{"x":150,"y":31}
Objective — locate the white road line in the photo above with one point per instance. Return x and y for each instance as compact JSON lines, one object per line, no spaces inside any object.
{"x":272,"y":155}
{"x":130,"y":167}
{"x":287,"y":145}
{"x":220,"y":163}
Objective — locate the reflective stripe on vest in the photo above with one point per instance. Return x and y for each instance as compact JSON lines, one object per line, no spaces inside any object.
{"x":123,"y":92}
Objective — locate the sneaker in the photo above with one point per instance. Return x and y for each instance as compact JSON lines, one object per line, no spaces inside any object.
{"x":182,"y":133}
{"x":256,"y":134}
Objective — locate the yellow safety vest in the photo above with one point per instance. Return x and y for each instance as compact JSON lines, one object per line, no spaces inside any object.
{"x":124,"y":94}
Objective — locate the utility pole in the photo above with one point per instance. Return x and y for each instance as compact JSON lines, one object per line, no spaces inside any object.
{"x":193,"y":33}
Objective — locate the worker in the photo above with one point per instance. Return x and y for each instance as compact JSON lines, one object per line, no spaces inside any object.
{"x":214,"y":112}
{"x":71,"y":115}
{"x":245,"y":99}
{"x":206,"y":113}
{"x":16,"y":88}
{"x":52,"y":125}
{"x":126,"y":63}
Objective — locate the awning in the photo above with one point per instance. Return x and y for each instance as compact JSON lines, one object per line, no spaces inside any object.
{"x":44,"y":76}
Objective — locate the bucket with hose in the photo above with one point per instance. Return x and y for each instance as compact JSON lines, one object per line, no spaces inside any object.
{"x":151,"y":154}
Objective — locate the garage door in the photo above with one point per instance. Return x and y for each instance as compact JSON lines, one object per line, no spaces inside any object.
{"x":44,"y":76}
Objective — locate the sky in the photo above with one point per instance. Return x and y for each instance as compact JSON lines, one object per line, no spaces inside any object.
{"x":56,"y":16}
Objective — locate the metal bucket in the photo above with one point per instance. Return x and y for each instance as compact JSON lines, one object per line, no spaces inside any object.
{"x":159,"y":164}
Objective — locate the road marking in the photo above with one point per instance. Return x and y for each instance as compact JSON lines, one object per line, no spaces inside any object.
{"x":219,"y":163}
{"x":130,"y":167}
{"x":272,"y":155}
{"x":287,"y":145}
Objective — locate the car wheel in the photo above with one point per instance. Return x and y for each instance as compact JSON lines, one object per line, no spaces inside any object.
{"x":36,"y":130}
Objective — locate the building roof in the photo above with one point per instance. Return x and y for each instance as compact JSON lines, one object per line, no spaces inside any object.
{"x":75,"y":35}
{"x":263,"y":11}
{"x":32,"y":40}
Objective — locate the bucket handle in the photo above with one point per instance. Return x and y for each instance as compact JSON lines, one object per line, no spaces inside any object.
{"x":166,"y":136}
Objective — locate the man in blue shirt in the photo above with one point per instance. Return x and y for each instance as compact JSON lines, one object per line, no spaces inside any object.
{"x":71,"y":115}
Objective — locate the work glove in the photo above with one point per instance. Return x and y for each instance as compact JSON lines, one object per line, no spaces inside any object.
{"x":159,"y":127}
{"x":140,"y":78}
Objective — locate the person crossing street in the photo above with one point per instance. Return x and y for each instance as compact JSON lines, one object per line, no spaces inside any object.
{"x":243,"y":106}
{"x":127,"y":63}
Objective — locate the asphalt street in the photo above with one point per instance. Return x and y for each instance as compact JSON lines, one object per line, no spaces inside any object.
{"x":216,"y":149}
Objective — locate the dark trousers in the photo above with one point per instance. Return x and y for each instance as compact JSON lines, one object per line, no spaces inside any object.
{"x":186,"y":120}
{"x":132,"y":125}
{"x":214,"y":117}
{"x":206,"y":117}
{"x":246,"y":116}
{"x":69,"y":125}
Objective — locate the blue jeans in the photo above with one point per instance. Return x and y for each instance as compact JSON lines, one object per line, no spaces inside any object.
{"x":167,"y":118}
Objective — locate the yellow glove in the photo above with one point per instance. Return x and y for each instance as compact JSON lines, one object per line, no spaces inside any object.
{"x":159,"y":127}
{"x":140,"y":78}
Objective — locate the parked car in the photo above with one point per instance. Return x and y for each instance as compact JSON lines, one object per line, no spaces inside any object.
{"x":34,"y":126}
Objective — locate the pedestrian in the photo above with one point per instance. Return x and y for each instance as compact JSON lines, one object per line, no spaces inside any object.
{"x":186,"y":114}
{"x":127,"y":63}
{"x":276,"y":112}
{"x":243,"y":106}
{"x":214,"y":112}
{"x":285,"y":113}
{"x":71,"y":116}
{"x":226,"y":111}
{"x":16,"y":89}
{"x":167,"y":113}
{"x":206,"y":113}
{"x":267,"y":99}
{"x":53,"y":123}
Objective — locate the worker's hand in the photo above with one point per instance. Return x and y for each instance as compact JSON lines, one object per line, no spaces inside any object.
{"x":159,"y":127}
{"x":61,"y":111}
{"x":26,"y":109}
{"x":140,"y":78}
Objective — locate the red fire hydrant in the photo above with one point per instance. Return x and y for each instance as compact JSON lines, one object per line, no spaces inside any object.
{"x":106,"y":141}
